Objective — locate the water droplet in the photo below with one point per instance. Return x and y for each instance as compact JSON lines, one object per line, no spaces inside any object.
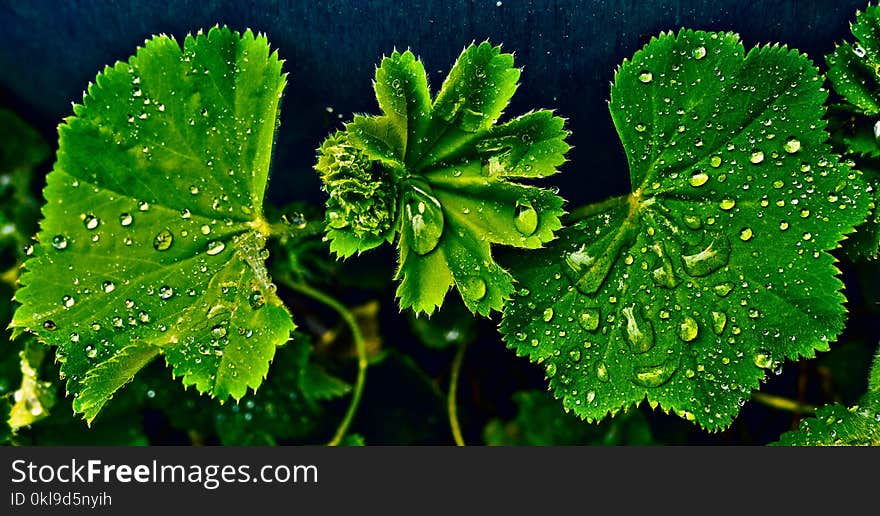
{"x":745,"y":234}
{"x":699,"y":52}
{"x":655,"y":376}
{"x":727,"y":204}
{"x":589,"y":319}
{"x":639,"y":331}
{"x":645,"y":76}
{"x":551,"y":370}
{"x":699,"y":179}
{"x":640,"y":127}
{"x":525,"y":217}
{"x":91,"y":351}
{"x":218,"y":331}
{"x":783,"y":225}
{"x":692,"y":221}
{"x":792,"y":145}
{"x":143,"y":206}
{"x":688,"y":329}
{"x":763,"y":360}
{"x":68,"y":301}
{"x":425,"y":216}
{"x":473,"y":288}
{"x":574,"y":355}
{"x":91,"y":222}
{"x":602,"y":372}
{"x":165,"y":292}
{"x":215,"y":247}
{"x":709,"y":259}
{"x":108,"y":286}
{"x":548,"y":314}
{"x":719,"y":321}
{"x":50,"y":325}
{"x":257,"y":300}
{"x":59,"y":242}
{"x":194,"y":190}
{"x":163,"y":240}
{"x":756,"y":157}
{"x":126,"y":219}
{"x":723,"y":289}
{"x":715,"y":161}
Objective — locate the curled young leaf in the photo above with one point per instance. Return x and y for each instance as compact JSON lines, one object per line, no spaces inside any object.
{"x":153,"y":236}
{"x":715,"y":268}
{"x":438,"y":178}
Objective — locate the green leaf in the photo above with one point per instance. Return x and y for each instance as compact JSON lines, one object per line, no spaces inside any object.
{"x":854,"y":71}
{"x":716,"y":267}
{"x":34,"y":398}
{"x":837,"y":425}
{"x":438,"y":178}
{"x":153,"y":234}
{"x":539,"y":423}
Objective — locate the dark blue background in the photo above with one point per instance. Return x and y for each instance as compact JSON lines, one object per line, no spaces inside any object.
{"x":51,"y":49}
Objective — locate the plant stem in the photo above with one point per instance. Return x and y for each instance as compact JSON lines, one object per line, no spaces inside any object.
{"x":782,"y":403}
{"x":360,"y":347}
{"x":588,"y":210}
{"x":451,"y":405}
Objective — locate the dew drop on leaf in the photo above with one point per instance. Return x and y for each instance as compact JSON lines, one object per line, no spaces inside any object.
{"x":59,"y":242}
{"x":126,"y":219}
{"x":473,"y":288}
{"x":525,"y":217}
{"x":688,"y":329}
{"x":215,"y":247}
{"x":163,"y":240}
{"x":589,"y":319}
{"x":645,"y":76}
{"x":639,"y":332}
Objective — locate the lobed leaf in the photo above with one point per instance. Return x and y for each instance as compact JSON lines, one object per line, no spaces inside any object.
{"x":854,"y":71}
{"x":153,"y":236}
{"x":437,"y":178}
{"x":715,"y":268}
{"x":837,"y":425}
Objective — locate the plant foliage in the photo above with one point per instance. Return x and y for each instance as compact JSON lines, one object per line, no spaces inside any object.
{"x":437,"y":176}
{"x":716,"y":267}
{"x":153,"y":234}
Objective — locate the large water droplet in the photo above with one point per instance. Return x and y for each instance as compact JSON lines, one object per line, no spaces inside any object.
{"x":215,"y":247}
{"x":91,"y":222}
{"x":746,"y":234}
{"x":525,"y":217}
{"x":256,"y":300}
{"x":763,"y":360}
{"x":645,"y":76}
{"x":727,"y":204}
{"x":719,"y":321}
{"x":602,"y":372}
{"x":699,"y":179}
{"x":657,"y":375}
{"x":163,"y":240}
{"x":688,"y":329}
{"x":709,"y":259}
{"x":548,"y":314}
{"x":59,"y":242}
{"x":756,"y":157}
{"x":165,"y":292}
{"x":425,"y":217}
{"x":108,"y":286}
{"x":792,"y":145}
{"x":639,"y":332}
{"x":473,"y":288}
{"x":699,"y":52}
{"x":589,"y":319}
{"x":126,"y":219}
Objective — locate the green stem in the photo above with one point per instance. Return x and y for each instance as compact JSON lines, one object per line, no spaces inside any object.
{"x":781,"y":403}
{"x":451,"y":405}
{"x":360,"y":346}
{"x":589,"y":210}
